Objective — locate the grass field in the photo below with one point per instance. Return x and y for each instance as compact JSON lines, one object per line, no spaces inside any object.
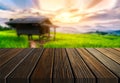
{"x":9,"y":39}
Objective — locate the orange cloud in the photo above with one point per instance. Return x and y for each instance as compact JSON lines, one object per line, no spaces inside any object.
{"x":93,"y":3}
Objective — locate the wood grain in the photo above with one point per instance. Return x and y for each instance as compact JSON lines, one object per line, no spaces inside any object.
{"x":81,"y":72}
{"x":11,"y":65}
{"x":100,"y":71}
{"x":26,"y":67}
{"x":113,"y":51}
{"x":44,"y":68}
{"x":117,"y":49}
{"x":2,"y":51}
{"x":62,"y":71}
{"x":60,"y":65}
{"x":8,"y":55}
{"x":109,"y":63}
{"x":109,"y":54}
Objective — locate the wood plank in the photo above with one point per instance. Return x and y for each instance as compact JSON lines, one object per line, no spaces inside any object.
{"x":6,"y":52}
{"x":10,"y":66}
{"x":43,"y":71}
{"x":111,"y":55}
{"x":9,"y":55}
{"x":109,"y":63}
{"x":113,"y":51}
{"x":117,"y":49}
{"x":100,"y":71}
{"x":62,"y":70}
{"x":2,"y":51}
{"x":84,"y":66}
{"x":26,"y":67}
{"x":81,"y":72}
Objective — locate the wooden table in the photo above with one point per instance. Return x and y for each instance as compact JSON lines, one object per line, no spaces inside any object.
{"x":70,"y":65}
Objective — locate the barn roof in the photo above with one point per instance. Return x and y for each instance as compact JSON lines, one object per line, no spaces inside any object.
{"x":28,"y":20}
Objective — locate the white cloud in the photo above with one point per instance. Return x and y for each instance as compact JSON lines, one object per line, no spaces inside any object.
{"x":6,"y":14}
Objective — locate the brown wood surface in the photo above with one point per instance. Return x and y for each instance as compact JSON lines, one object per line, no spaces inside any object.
{"x":62,"y":70}
{"x":2,"y":51}
{"x":10,"y":66}
{"x":114,"y":51}
{"x":110,"y":54}
{"x":108,"y":62}
{"x":26,"y":67}
{"x":100,"y":71}
{"x":44,"y":68}
{"x":117,"y":49}
{"x":8,"y":55}
{"x":60,"y":65}
{"x":81,"y":72}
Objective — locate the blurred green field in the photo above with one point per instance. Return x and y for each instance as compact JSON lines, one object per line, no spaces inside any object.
{"x":9,"y":39}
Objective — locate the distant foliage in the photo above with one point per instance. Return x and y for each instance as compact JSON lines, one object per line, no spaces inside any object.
{"x":116,"y":33}
{"x":4,"y":28}
{"x":101,"y":33}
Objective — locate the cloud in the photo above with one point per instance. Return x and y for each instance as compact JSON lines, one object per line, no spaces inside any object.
{"x":107,"y":15}
{"x":94,"y":3}
{"x":118,"y":4}
{"x":6,"y":14}
{"x":16,"y":8}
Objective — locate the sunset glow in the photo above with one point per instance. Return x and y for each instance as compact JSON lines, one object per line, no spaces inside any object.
{"x":61,"y":11}
{"x":67,"y":17}
{"x":71,"y":11}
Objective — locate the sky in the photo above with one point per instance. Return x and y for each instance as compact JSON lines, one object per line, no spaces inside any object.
{"x":15,"y":4}
{"x":90,"y":5}
{"x":102,"y":13}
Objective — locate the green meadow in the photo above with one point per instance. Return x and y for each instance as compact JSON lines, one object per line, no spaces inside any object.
{"x":9,"y":39}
